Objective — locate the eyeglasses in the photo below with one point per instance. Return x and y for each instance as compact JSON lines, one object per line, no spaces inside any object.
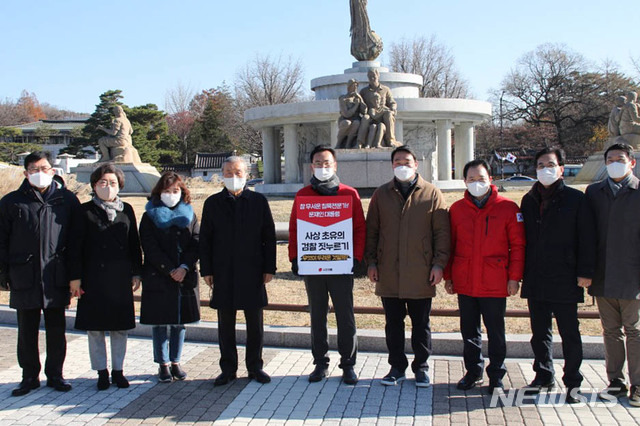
{"x":43,"y":169}
{"x":323,"y":164}
{"x":103,"y":183}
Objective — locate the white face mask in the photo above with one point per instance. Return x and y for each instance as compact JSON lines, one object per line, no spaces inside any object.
{"x":107,"y":193}
{"x":478,"y":189}
{"x":170,"y":199}
{"x":617,"y":170}
{"x":547,"y":176}
{"x":323,"y":173}
{"x":234,"y":184}
{"x":404,"y":173}
{"x":40,"y":180}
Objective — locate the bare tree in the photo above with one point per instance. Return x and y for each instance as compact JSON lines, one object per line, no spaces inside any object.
{"x":434,"y":62}
{"x":636,"y":64}
{"x":269,"y":81}
{"x":554,"y":86}
{"x":178,"y":99}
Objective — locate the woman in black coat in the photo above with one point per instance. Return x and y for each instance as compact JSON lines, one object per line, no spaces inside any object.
{"x":169,"y":232}
{"x":111,"y":264}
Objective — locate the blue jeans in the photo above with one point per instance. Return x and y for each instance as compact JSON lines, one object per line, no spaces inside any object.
{"x":167,"y":347}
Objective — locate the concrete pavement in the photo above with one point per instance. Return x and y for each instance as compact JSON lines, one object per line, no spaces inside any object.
{"x":290,"y":399}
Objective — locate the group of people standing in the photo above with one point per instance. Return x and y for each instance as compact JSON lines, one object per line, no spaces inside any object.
{"x":53,"y":248}
{"x":558,"y":242}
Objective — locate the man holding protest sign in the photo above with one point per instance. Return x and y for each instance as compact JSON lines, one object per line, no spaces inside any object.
{"x":326,"y":238}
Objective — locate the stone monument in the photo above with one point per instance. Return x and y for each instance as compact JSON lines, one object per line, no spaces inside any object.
{"x":366,"y":45}
{"x":365,"y":126}
{"x":352,"y":109}
{"x":623,"y":127}
{"x":118,"y":148}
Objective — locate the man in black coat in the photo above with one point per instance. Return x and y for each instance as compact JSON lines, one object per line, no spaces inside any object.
{"x":237,"y":259}
{"x":615,"y":203}
{"x":39,"y":255}
{"x":560,"y":253}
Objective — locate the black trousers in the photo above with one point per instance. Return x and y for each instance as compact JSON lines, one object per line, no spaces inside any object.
{"x":395,"y":311}
{"x":56,"y":342}
{"x":492,"y":310}
{"x":541,"y":340}
{"x":340,"y":288}
{"x":227,"y":339}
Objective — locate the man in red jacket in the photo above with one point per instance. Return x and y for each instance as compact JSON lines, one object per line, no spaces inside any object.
{"x":325,"y":182}
{"x":487,"y":262}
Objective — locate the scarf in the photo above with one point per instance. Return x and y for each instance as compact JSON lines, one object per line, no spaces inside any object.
{"x":617,"y":186}
{"x":547,"y":194}
{"x":163,"y":217}
{"x":327,"y":187}
{"x":483,"y":201}
{"x":405,"y":187}
{"x":110,"y":207}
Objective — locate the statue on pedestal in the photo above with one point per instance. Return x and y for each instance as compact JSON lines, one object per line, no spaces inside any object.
{"x":614,"y":117}
{"x":118,"y":146}
{"x":352,"y":109}
{"x":381,"y":114}
{"x":366,"y":45}
{"x":629,"y":118}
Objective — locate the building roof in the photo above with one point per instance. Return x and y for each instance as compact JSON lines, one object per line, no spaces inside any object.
{"x":59,"y":125}
{"x":206,"y":160}
{"x":177,"y":168}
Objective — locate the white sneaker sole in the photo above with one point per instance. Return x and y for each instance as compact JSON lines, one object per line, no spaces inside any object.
{"x":423,"y":384}
{"x":389,"y":383}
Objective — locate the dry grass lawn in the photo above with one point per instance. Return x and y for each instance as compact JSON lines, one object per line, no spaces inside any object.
{"x":286,"y":288}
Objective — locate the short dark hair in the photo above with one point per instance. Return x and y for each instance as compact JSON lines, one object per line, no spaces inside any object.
{"x":620,"y":145}
{"x":475,"y":163}
{"x":36,"y":156}
{"x":103,"y":170}
{"x":166,"y":180}
{"x":403,"y":148}
{"x":322,"y":148}
{"x":558,"y":152}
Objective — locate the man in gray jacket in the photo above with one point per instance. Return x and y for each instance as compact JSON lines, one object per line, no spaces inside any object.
{"x":615,"y":203}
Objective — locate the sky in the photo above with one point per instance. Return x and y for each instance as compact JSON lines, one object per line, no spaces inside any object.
{"x":68,"y":52}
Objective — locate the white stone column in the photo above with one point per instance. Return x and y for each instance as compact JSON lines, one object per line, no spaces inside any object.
{"x":400,"y":131}
{"x":291,"y":168}
{"x":277,"y":156}
{"x":464,"y":147}
{"x":443,"y":131}
{"x":268,"y":158}
{"x":333,"y":134}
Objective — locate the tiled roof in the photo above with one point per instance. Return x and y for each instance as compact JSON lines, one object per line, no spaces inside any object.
{"x":59,"y":125}
{"x":205,"y":160}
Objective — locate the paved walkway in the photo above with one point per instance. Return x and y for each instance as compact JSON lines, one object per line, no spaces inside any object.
{"x":289,"y":399}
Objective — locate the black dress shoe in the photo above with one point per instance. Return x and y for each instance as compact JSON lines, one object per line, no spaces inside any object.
{"x":539,"y":385}
{"x":259,"y":376}
{"x":103,"y":379}
{"x":495,"y":385}
{"x":177,"y":372}
{"x":572,"y":395}
{"x":26,"y":385}
{"x":59,"y":384}
{"x":118,"y":379}
{"x":470,"y":381}
{"x":349,"y":376}
{"x":224,"y":378}
{"x":318,"y":373}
